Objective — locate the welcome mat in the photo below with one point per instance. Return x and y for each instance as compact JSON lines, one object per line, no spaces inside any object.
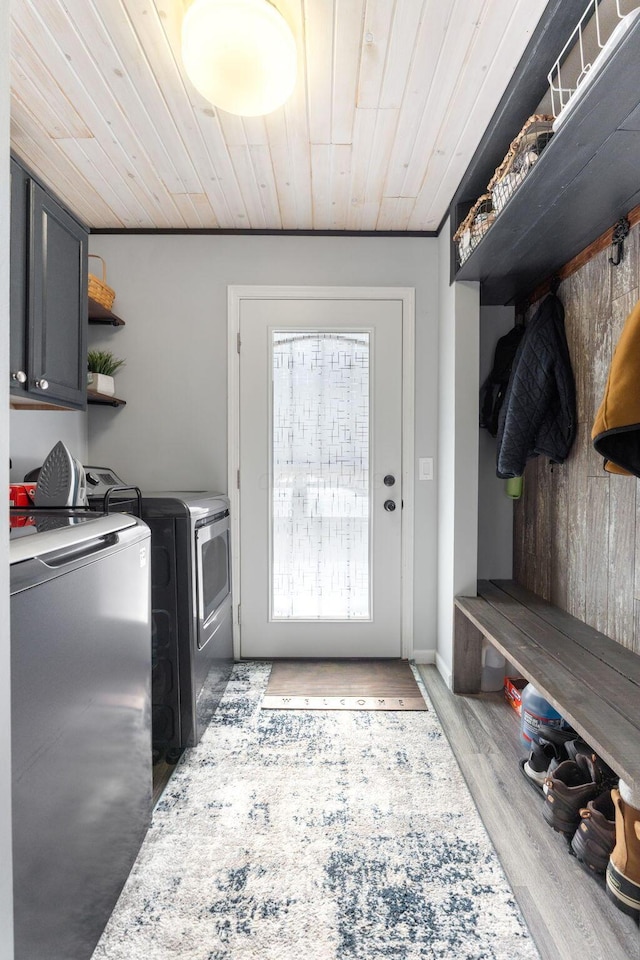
{"x":342,"y":685}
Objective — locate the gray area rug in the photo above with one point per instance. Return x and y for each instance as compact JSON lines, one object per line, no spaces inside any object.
{"x":317,"y":835}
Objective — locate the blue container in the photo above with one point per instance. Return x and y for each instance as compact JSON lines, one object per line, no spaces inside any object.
{"x":535,"y":711}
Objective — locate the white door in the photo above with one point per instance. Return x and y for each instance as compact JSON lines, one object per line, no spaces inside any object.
{"x":320,"y":477}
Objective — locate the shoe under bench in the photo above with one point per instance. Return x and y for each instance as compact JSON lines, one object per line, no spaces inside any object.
{"x":592,"y":680}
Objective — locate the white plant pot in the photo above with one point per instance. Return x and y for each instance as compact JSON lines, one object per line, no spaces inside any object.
{"x":101,"y":383}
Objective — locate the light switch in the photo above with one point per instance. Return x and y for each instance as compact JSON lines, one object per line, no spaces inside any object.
{"x":425,"y":468}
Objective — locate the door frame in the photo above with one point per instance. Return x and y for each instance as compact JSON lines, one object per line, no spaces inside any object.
{"x":235,"y":295}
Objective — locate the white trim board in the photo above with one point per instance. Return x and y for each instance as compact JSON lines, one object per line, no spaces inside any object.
{"x":444,"y":670}
{"x":424,"y":656}
{"x":235,"y":295}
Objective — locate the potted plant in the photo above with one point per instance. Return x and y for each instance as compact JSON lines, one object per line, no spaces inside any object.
{"x":102,"y":365}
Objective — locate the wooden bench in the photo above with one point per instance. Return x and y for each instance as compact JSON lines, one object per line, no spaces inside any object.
{"x":590,"y":679}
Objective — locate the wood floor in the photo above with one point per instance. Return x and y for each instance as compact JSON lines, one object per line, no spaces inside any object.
{"x":162,"y":772}
{"x":566,"y":908}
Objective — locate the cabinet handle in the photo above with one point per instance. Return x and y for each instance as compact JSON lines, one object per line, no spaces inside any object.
{"x":19,"y":376}
{"x":42,"y":384}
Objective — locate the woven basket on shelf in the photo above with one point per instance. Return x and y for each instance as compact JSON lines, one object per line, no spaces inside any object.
{"x":474,"y":226}
{"x":520,"y":159}
{"x":98,"y":289}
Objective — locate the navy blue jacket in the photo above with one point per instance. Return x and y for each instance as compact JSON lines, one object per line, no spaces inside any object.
{"x":538,"y":415}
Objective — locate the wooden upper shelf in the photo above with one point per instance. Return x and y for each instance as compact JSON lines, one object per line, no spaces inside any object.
{"x":104,"y":399}
{"x":99,"y":314}
{"x":585,"y":180}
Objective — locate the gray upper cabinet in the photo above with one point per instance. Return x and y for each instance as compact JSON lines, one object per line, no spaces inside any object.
{"x":18,"y":274}
{"x":48,"y":298}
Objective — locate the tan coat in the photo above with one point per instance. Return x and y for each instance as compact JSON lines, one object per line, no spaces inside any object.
{"x":616,"y":430}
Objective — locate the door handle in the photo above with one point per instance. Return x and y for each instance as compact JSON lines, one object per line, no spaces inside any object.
{"x":390,"y":505}
{"x":389,"y":480}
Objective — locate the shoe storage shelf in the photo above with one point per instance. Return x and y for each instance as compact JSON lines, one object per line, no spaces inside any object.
{"x":591,"y":680}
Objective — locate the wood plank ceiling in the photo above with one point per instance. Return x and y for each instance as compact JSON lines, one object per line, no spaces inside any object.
{"x":391,"y":100}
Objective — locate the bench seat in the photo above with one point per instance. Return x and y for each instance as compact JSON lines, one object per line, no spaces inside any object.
{"x":592,"y":680}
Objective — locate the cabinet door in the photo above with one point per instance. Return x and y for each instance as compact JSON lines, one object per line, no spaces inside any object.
{"x":18,"y":278}
{"x":57,"y":307}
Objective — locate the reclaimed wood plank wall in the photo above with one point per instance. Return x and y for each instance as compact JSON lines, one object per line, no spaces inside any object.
{"x":577,"y":528}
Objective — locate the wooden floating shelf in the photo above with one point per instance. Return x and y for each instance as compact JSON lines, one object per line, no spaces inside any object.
{"x":100,"y":314}
{"x":104,"y":400}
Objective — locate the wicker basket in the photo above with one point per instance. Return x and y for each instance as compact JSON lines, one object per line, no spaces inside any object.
{"x":520,"y":159}
{"x":474,"y":226}
{"x":98,"y":289}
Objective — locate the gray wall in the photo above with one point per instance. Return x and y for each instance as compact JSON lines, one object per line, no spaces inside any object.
{"x":172,"y":293}
{"x":458,"y":450}
{"x":577,"y":528}
{"x":495,"y":509}
{"x":34,"y":432}
{"x":6,"y":886}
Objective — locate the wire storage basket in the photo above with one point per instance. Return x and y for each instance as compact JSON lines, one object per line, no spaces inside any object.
{"x":474,"y":226}
{"x":520,"y":159}
{"x":594,"y":40}
{"x":98,"y":289}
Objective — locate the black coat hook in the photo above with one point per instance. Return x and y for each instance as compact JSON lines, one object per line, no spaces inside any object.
{"x":620,"y":231}
{"x":554,"y":283}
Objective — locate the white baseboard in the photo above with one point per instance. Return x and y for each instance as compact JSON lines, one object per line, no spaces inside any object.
{"x":424,"y":656}
{"x":444,"y":670}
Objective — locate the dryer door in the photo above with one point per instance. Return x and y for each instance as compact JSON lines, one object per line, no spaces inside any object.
{"x":213,"y":576}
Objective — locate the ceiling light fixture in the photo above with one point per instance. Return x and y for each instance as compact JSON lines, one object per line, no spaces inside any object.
{"x":239,"y":54}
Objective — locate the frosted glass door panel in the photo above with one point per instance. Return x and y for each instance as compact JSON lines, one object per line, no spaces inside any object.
{"x":320,"y":479}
